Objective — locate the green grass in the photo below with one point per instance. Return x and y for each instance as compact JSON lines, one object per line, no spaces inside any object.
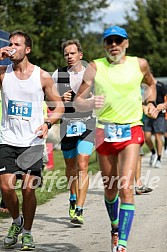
{"x":51,"y":183}
{"x":145,"y":148}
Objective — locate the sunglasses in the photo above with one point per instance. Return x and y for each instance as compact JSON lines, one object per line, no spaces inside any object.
{"x":117,"y":40}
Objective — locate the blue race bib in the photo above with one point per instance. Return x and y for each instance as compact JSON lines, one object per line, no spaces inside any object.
{"x":75,"y":128}
{"x":117,"y":132}
{"x":19,"y":109}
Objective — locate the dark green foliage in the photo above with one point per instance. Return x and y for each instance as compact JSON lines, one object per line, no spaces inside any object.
{"x":49,"y":23}
{"x":147,"y":29}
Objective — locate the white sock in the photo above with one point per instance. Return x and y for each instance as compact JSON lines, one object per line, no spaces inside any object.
{"x":26,"y":231}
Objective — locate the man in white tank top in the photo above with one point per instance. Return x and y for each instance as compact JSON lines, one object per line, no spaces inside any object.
{"x":77,"y":129}
{"x":23,"y":129}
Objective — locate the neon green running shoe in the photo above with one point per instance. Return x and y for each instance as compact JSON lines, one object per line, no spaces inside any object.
{"x":12,"y":236}
{"x":27,"y":242}
{"x":78,"y":217}
{"x":72,"y":208}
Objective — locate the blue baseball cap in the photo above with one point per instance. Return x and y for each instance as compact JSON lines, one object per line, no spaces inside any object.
{"x":115,"y":30}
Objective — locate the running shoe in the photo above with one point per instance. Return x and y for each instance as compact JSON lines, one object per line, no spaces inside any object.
{"x":72,"y":208}
{"x":114,"y":241}
{"x":142,"y":189}
{"x":158,"y":164}
{"x":153,"y":159}
{"x":121,"y":249}
{"x":12,"y":236}
{"x":27,"y":242}
{"x":78,"y":217}
{"x":165,"y":152}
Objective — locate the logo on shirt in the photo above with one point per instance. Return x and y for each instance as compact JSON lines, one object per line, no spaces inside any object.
{"x":3,"y":169}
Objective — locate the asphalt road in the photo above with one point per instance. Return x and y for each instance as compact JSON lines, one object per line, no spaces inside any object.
{"x":53,"y":232}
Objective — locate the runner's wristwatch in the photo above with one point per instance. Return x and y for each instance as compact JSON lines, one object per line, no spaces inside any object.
{"x":48,"y":124}
{"x":153,"y":102}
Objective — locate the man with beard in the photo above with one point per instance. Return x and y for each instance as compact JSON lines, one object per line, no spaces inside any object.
{"x":117,"y":82}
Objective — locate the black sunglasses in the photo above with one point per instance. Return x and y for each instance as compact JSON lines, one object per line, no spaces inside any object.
{"x":117,"y":40}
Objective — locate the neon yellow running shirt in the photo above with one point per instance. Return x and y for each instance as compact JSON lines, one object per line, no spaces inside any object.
{"x":121,"y":86}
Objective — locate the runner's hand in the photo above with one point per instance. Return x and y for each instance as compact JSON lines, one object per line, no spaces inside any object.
{"x":98,"y":101}
{"x":151,"y":111}
{"x":67,"y":96}
{"x":5,"y":52}
{"x":42,"y":131}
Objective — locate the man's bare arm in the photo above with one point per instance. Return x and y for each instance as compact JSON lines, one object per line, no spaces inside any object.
{"x":2,"y":73}
{"x":85,"y":100}
{"x":52,"y":96}
{"x":149,"y":79}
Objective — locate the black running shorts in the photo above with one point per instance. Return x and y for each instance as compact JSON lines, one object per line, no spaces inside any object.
{"x":21,"y":159}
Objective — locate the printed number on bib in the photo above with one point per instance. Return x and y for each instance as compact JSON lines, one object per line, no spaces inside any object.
{"x":20,"y":109}
{"x":75,"y":129}
{"x":117,"y":132}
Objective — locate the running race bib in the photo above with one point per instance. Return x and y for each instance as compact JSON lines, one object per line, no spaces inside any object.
{"x":19,"y":109}
{"x":117,"y":132}
{"x":75,"y":128}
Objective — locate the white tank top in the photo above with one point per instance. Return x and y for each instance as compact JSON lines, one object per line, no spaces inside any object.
{"x":22,"y":109}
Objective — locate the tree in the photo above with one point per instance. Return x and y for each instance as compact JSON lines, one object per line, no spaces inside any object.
{"x":50,"y":22}
{"x":147,"y":29}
